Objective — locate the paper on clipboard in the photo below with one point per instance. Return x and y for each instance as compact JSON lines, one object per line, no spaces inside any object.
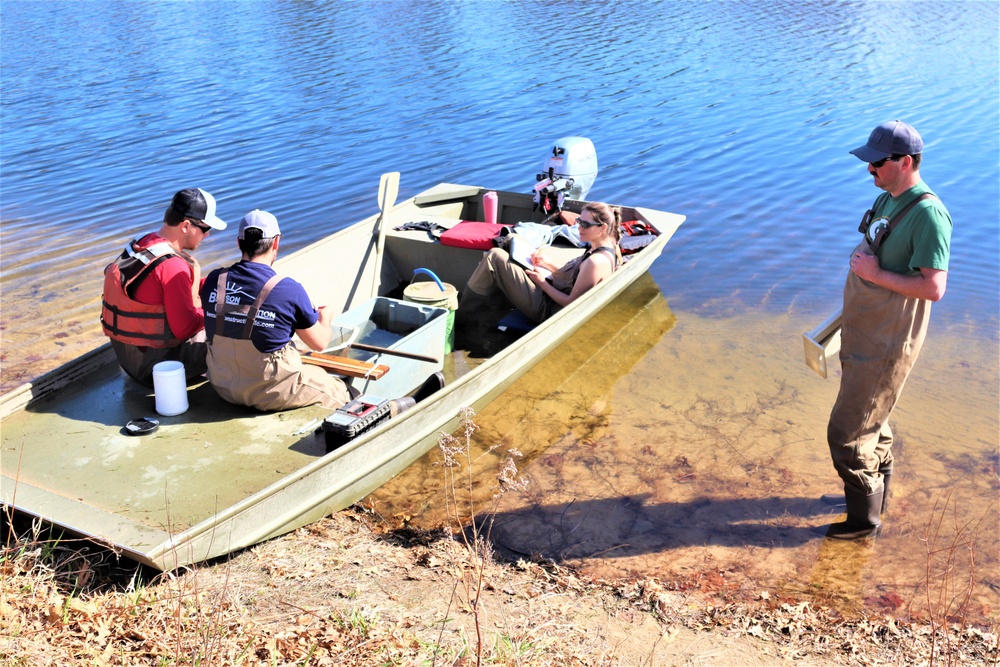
{"x":520,"y":252}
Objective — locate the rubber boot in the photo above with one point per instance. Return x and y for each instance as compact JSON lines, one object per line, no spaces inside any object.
{"x":837,"y":499}
{"x":468,"y":331}
{"x":432,"y":384}
{"x":886,"y":478}
{"x":862,"y":516}
{"x":397,"y":406}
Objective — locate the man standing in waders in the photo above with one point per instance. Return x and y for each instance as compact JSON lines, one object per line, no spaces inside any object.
{"x":899,"y":268}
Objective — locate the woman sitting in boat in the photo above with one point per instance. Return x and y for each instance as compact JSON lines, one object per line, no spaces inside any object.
{"x":536,"y":292}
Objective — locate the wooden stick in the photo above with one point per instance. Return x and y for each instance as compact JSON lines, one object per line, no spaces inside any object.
{"x":395,"y":353}
{"x":345,"y":365}
{"x":388,"y":188}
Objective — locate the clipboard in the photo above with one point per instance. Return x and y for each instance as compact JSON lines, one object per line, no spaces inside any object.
{"x":823,"y":343}
{"x":520,"y":252}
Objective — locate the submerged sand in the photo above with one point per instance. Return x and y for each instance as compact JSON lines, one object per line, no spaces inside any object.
{"x":703,"y":462}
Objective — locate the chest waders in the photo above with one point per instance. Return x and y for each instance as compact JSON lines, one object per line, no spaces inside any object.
{"x":268,"y":381}
{"x":883,"y":332}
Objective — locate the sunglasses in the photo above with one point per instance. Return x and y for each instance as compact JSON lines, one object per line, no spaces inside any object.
{"x":202,"y":227}
{"x":879,"y":163}
{"x":586,"y":224}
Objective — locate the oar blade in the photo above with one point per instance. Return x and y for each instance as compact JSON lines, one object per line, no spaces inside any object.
{"x":388,"y":188}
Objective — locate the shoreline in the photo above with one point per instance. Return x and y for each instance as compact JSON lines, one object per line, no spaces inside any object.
{"x":402,"y":597}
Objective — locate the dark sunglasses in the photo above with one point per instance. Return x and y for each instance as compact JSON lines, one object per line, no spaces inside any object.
{"x":586,"y":224}
{"x":205,"y":229}
{"x":894,"y":158}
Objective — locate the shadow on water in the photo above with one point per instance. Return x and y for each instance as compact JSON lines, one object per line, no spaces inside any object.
{"x":554,"y":395}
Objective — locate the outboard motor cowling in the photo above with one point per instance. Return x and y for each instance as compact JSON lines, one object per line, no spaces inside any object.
{"x":568,"y":171}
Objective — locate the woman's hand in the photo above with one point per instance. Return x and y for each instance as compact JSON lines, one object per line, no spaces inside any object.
{"x":535,"y":276}
{"x":539,"y":259}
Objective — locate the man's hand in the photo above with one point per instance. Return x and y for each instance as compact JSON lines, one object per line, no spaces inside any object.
{"x":865,"y":266}
{"x":929,"y":284}
{"x":318,"y":336}
{"x":326,"y":315}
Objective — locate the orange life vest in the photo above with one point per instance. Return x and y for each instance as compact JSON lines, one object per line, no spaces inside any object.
{"x":124,"y":319}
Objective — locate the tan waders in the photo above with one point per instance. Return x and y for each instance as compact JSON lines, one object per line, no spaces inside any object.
{"x":278,"y":380}
{"x":881,"y":338}
{"x":497,"y":270}
{"x":268,"y":381}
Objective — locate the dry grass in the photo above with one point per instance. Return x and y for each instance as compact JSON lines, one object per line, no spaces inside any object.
{"x":338,"y":593}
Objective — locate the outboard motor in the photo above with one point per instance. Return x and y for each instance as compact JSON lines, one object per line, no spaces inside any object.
{"x":568,"y":171}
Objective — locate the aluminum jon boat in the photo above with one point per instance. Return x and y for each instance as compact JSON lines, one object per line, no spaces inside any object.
{"x":218,"y":477}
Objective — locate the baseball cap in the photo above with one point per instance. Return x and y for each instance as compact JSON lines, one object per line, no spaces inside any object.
{"x":262,"y":220}
{"x":892,"y":138}
{"x":198,"y":204}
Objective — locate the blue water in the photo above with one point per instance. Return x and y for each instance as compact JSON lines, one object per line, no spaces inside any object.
{"x":737,"y":114}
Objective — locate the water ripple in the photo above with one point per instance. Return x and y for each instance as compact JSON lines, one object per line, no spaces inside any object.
{"x":736,"y":114}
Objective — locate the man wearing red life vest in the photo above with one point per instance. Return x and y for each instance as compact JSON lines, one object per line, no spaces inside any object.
{"x":151,"y":309}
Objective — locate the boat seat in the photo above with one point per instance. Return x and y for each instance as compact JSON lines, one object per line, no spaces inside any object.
{"x":515,"y":320}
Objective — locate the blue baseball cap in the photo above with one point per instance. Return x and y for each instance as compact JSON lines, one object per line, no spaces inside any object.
{"x":892,"y":138}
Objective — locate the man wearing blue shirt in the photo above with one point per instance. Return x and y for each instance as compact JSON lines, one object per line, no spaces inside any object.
{"x":251,"y":314}
{"x":899,"y":268}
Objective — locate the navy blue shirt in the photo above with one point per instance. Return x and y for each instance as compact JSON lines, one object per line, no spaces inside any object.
{"x":286,"y":308}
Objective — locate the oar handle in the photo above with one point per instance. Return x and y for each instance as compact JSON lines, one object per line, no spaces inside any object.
{"x":395,"y":353}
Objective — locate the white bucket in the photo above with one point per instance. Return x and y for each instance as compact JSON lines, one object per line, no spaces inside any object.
{"x":170,"y":388}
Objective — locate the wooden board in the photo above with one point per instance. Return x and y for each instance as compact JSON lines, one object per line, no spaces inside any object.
{"x":345,"y":365}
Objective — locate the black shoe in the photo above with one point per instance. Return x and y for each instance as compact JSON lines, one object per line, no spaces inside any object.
{"x":848,"y":530}
{"x":398,"y":406}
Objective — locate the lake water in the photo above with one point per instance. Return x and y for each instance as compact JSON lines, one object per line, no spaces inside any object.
{"x":738,"y":115}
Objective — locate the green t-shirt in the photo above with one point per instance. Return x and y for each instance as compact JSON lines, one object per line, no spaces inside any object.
{"x":922,"y":239}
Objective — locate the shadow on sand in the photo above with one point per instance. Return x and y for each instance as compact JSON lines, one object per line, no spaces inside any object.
{"x":627,"y":526}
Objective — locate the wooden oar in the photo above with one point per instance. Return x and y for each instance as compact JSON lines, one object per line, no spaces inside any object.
{"x":388,"y":188}
{"x":395,"y":353}
{"x":372,"y":348}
